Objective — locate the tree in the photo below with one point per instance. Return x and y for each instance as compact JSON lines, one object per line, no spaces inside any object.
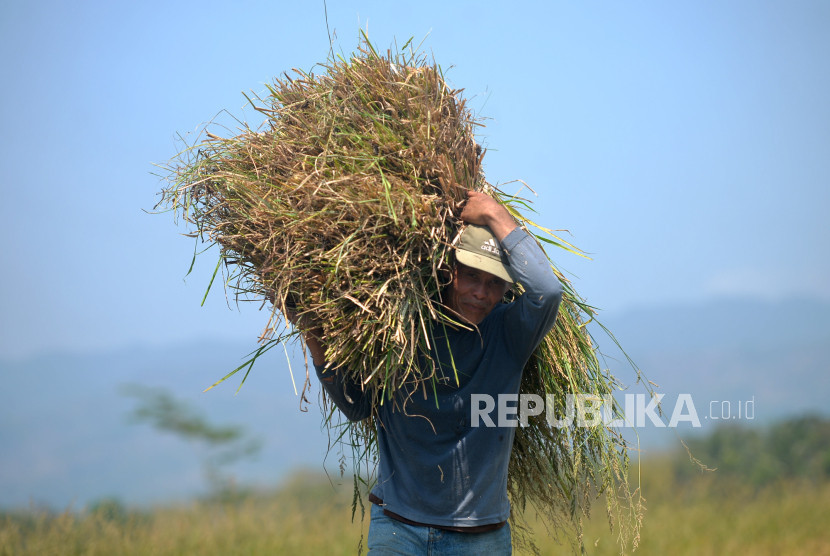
{"x":226,"y":444}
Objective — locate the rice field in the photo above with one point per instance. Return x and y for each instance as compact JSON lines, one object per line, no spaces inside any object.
{"x":310,"y":515}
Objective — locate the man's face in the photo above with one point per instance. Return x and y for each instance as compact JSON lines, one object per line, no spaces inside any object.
{"x":474,"y":293}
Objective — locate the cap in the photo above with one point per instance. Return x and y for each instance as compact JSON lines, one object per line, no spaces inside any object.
{"x":478,"y":248}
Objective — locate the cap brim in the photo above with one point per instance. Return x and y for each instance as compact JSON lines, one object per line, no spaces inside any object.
{"x":483,"y":263}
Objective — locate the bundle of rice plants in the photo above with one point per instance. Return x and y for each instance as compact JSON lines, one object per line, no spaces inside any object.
{"x":344,"y":206}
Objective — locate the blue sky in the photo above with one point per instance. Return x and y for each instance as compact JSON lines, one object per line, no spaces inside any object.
{"x":684,"y":144}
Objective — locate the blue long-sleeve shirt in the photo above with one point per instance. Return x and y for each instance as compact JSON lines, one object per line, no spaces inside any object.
{"x":435,"y":467}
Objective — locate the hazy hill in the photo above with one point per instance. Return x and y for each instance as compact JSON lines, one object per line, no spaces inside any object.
{"x":67,"y":438}
{"x":67,"y":435}
{"x":725,"y":353}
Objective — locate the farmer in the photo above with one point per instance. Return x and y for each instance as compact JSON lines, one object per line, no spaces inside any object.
{"x":442,"y":482}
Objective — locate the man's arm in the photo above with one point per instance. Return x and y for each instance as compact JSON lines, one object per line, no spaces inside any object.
{"x":315,"y":347}
{"x":347,"y":395}
{"x":533,"y":315}
{"x":312,"y":337}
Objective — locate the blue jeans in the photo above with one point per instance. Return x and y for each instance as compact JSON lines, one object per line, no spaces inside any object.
{"x":390,"y":536}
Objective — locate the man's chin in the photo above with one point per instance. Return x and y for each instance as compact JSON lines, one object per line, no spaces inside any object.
{"x":474,"y":316}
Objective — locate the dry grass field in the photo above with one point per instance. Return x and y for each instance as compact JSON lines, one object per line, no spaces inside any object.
{"x":310,"y":516}
{"x":769,"y":495}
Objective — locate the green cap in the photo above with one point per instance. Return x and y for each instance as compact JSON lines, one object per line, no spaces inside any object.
{"x":478,"y":248}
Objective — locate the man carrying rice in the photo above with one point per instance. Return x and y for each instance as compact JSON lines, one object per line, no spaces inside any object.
{"x":342,"y":209}
{"x":442,"y":483}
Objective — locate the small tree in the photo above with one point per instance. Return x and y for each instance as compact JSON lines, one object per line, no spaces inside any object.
{"x":226,"y":444}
